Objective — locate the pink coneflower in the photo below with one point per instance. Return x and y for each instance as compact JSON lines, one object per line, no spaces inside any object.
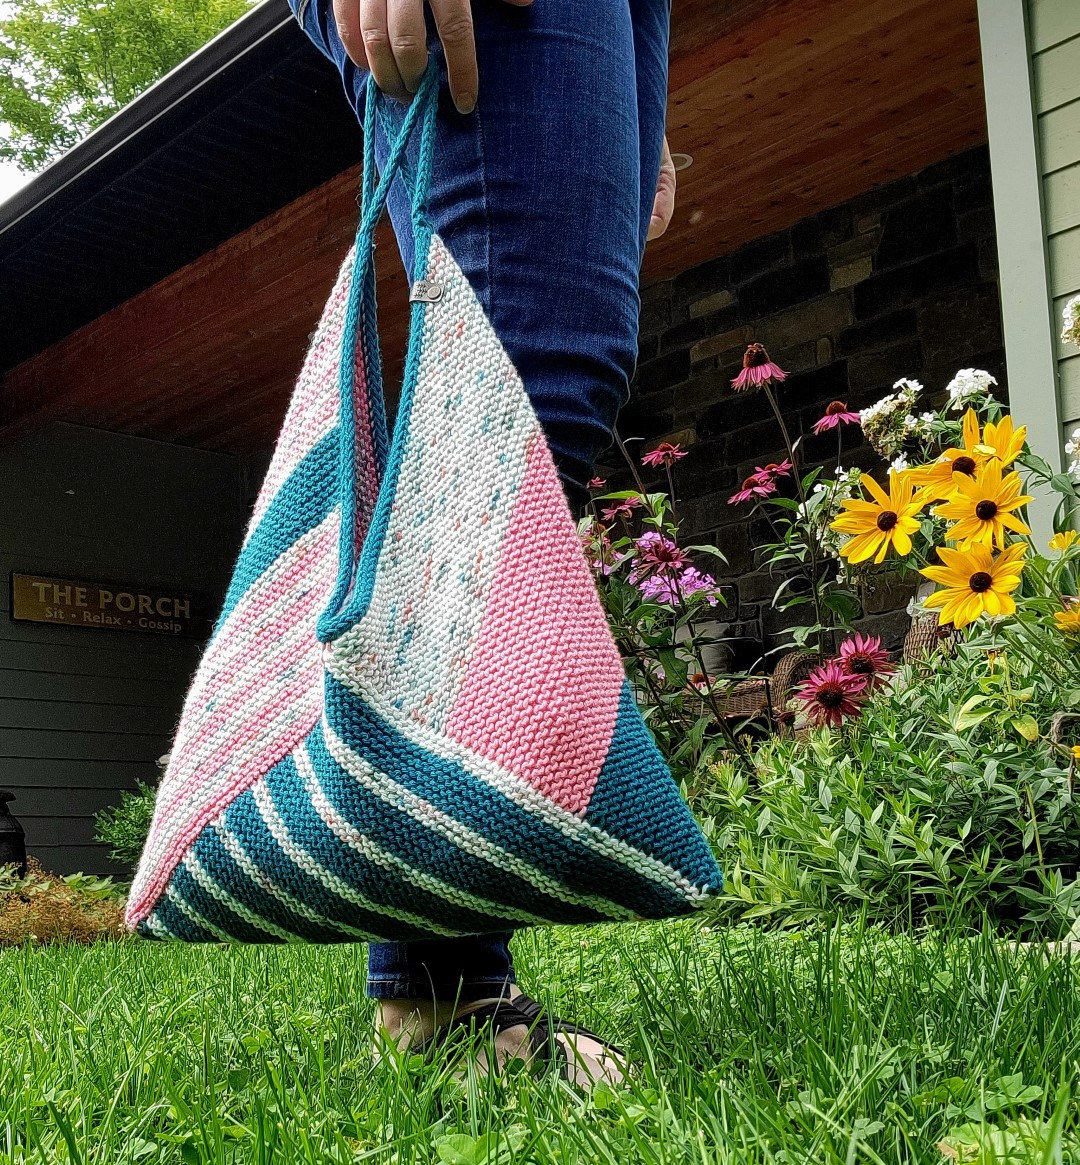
{"x":863,"y":656}
{"x":664,"y":454}
{"x":597,"y":483}
{"x":752,"y":489}
{"x":770,"y":472}
{"x":622,"y":509}
{"x":830,"y":694}
{"x":757,"y":370}
{"x":657,"y":554}
{"x":836,"y":414}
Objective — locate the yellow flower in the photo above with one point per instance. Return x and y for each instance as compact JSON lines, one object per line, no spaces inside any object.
{"x":1004,"y":443}
{"x":975,"y":583}
{"x":982,"y":506}
{"x":938,"y":475}
{"x":1076,"y":751}
{"x":885,"y":523}
{"x":998,"y":441}
{"x":1061,"y":542}
{"x":1068,"y":622}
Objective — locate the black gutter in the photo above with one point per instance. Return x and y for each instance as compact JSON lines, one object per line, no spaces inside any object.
{"x":266,"y":21}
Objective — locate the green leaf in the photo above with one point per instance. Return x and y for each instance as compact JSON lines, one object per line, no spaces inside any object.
{"x":675,"y":668}
{"x":707,"y":548}
{"x":460,"y":1149}
{"x":971,"y":714}
{"x":841,"y":603}
{"x":1028,"y":727}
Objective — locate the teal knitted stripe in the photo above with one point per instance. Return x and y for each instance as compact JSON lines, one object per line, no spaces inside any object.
{"x":465,"y":797}
{"x":304,"y":500}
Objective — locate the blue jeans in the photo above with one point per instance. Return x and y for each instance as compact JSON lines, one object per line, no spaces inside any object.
{"x":543,"y":195}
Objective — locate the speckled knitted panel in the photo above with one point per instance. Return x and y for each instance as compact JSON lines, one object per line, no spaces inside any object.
{"x":466,"y":755}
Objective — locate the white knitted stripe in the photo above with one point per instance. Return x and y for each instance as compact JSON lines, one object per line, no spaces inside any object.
{"x":441,"y":546}
{"x":304,"y":861}
{"x":195,"y":868}
{"x":230,"y":654}
{"x":371,"y":850}
{"x":235,"y":849}
{"x":433,"y":818}
{"x":233,"y":671}
{"x":187,"y":909}
{"x":157,"y":927}
{"x":524,"y":795}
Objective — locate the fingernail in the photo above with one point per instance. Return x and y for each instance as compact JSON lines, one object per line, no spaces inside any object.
{"x":466,"y":103}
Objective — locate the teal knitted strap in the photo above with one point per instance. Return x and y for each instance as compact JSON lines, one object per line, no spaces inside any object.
{"x":360,"y":333}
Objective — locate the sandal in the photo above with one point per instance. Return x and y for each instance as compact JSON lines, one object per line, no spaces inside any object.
{"x":550,"y":1026}
{"x":498,"y":1016}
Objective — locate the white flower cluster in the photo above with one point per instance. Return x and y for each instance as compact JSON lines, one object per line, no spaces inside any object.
{"x":1072,"y":447}
{"x":824,"y":504}
{"x":1070,"y":333}
{"x":968,"y":386}
{"x":885,"y":423}
{"x":899,"y":464}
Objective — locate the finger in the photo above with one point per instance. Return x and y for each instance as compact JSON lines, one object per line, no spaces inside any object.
{"x":347,"y":18}
{"x":408,"y":40}
{"x":380,"y":55}
{"x":453,"y":19}
{"x":664,"y":201}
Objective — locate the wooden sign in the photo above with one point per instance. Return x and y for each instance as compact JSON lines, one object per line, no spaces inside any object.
{"x":37,"y":599}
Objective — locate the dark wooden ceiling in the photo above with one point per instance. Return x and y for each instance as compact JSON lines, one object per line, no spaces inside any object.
{"x":787,"y":106}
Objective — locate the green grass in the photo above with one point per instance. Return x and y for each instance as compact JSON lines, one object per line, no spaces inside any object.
{"x":841,"y":1047}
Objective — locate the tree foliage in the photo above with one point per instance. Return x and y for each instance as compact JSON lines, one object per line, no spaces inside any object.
{"x":66,"y":65}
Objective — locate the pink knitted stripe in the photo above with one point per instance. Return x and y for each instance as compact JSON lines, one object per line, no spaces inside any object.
{"x":541,"y":693}
{"x":243,"y":704}
{"x":302,"y":718}
{"x":209,"y":737}
{"x":266,"y":611}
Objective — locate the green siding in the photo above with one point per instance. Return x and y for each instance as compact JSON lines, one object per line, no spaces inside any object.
{"x":1059,"y":137}
{"x":1051,"y":22}
{"x":1054,"y":37}
{"x":85,"y":713}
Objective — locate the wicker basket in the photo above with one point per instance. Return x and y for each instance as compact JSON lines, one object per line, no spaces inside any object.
{"x":927,"y":637}
{"x":767,"y":696}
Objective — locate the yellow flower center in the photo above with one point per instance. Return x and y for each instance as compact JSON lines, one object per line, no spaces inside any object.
{"x":980,"y":582}
{"x":886,"y":520}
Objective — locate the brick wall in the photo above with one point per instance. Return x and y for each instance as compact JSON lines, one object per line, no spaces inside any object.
{"x":902,"y":281}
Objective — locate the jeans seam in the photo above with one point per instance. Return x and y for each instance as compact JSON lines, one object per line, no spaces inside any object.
{"x":489,"y":235}
{"x":301,"y":11}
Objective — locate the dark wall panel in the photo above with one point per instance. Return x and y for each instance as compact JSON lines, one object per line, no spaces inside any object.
{"x":85,"y":713}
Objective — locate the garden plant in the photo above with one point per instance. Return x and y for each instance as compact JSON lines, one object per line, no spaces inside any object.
{"x":889,"y":977}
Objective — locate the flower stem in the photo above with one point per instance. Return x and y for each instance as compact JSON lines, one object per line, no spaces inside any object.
{"x":805,"y":511}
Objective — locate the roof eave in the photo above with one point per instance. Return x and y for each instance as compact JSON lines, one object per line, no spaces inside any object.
{"x":137,"y":117}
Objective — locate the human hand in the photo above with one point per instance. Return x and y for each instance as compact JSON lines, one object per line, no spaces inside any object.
{"x":389,"y":38}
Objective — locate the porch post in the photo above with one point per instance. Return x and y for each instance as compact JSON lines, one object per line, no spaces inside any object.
{"x":1026,"y":308}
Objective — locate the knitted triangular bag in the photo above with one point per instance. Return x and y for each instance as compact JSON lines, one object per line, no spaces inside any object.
{"x":411,"y":720}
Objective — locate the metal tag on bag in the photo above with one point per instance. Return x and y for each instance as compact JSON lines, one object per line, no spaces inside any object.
{"x":426,"y":291}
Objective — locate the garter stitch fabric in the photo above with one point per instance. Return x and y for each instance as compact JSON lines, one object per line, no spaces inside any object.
{"x":460,"y":752}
